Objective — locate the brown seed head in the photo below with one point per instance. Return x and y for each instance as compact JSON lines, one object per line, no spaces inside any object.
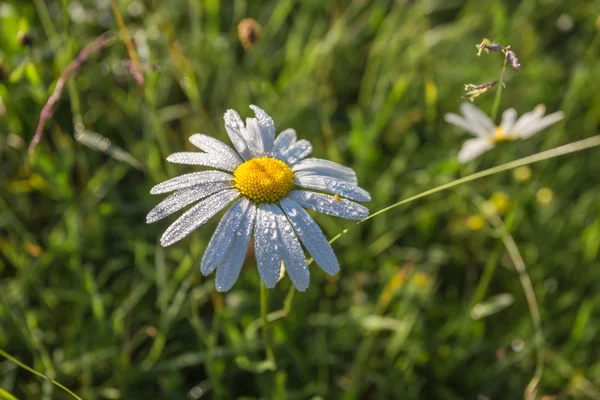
{"x":513,"y":60}
{"x":25,"y":39}
{"x":249,"y":32}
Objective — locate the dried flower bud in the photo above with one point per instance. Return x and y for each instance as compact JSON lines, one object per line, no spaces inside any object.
{"x":25,"y":39}
{"x":477,"y":90}
{"x":512,"y":59}
{"x":487,"y":45}
{"x":248,"y":32}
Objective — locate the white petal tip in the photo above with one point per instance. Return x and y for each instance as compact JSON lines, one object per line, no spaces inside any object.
{"x":301,"y":288}
{"x":166,"y":241}
{"x":270,"y":285}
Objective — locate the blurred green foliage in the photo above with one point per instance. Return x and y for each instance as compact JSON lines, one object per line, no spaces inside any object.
{"x":427,"y":304}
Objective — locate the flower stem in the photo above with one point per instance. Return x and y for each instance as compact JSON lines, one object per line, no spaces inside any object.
{"x":496,"y":104}
{"x":532,"y":303}
{"x":264,"y":309}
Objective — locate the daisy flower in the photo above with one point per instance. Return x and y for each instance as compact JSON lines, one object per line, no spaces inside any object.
{"x":267,"y":183}
{"x":488,"y":134}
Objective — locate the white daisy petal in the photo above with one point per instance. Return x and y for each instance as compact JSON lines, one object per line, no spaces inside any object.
{"x":229,"y":269}
{"x":527,"y":119}
{"x":291,"y":252}
{"x":475,"y":115}
{"x":267,"y":128}
{"x":468,"y":126}
{"x":196,"y":216}
{"x":508,"y":120}
{"x":267,"y":245}
{"x":329,"y":204}
{"x":473,"y":148}
{"x":540,"y":124}
{"x":211,"y":145}
{"x":213,"y":160}
{"x":221,"y":239}
{"x":237,"y":133}
{"x":334,"y":186}
{"x":283,"y":141}
{"x":296,"y":152}
{"x":192,"y":179}
{"x":255,"y":137}
{"x":311,"y":236}
{"x":184,"y":197}
{"x":317,"y":166}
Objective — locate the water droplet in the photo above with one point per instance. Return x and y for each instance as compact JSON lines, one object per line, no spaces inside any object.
{"x":517,"y":344}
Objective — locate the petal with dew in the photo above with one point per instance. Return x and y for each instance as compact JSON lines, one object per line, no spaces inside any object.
{"x":191,"y":179}
{"x":542,"y":123}
{"x":283,"y":141}
{"x":183,"y":198}
{"x":237,"y":133}
{"x":267,"y":128}
{"x":291,"y":252}
{"x":212,"y":160}
{"x":229,"y":269}
{"x":473,"y":148}
{"x":255,"y":138}
{"x":476,"y":116}
{"x":508,"y":120}
{"x":334,"y":186}
{"x":197,"y":216}
{"x":311,"y":236}
{"x":317,"y":166}
{"x":223,"y":236}
{"x":296,"y":152}
{"x":329,"y":204}
{"x":267,"y":244}
{"x":211,"y":145}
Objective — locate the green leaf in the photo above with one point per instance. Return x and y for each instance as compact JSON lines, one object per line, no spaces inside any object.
{"x":4,"y":395}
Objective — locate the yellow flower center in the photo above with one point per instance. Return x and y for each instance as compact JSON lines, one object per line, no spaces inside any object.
{"x":264,"y":180}
{"x":499,"y":136}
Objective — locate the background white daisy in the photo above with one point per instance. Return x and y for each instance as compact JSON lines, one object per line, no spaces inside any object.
{"x":488,"y":134}
{"x":270,"y":183}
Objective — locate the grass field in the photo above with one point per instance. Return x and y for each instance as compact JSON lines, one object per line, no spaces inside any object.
{"x":485,"y":290}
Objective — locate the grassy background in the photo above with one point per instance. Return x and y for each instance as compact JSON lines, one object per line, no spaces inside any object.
{"x":88,"y":297}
